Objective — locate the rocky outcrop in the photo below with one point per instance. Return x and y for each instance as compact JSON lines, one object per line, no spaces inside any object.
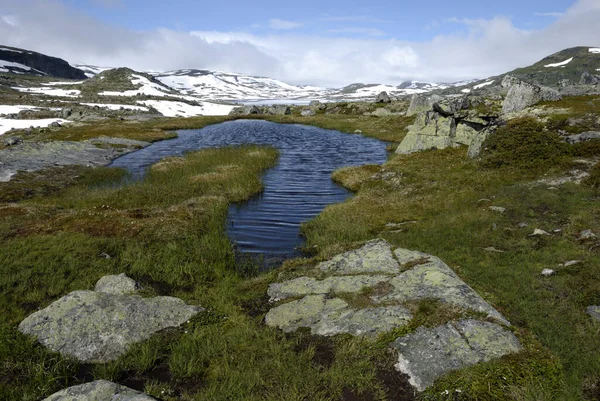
{"x":99,"y":390}
{"x":522,"y":94}
{"x":99,"y":327}
{"x":40,"y":64}
{"x":589,"y":79}
{"x":383,"y":97}
{"x":32,"y":156}
{"x":428,"y":354}
{"x":276,"y":110}
{"x":447,"y":122}
{"x":583,"y":137}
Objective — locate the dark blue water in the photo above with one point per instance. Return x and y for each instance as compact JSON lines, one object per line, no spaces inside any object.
{"x":296,"y":190}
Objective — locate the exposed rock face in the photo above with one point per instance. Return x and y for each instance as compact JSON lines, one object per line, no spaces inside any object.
{"x":589,"y":79}
{"x":401,"y":276}
{"x":98,"y":327}
{"x":446,"y":122}
{"x":522,"y":94}
{"x":308,"y":113}
{"x":428,"y":354}
{"x":583,"y":137}
{"x":381,"y":113}
{"x":41,"y":64}
{"x":276,"y":110}
{"x":383,"y":97}
{"x":99,"y":390}
{"x":39,"y":155}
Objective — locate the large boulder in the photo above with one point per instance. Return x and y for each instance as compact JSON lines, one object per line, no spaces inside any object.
{"x":98,"y":327}
{"x":279,"y":110}
{"x":522,"y":94}
{"x":383,"y":97}
{"x":589,"y":79}
{"x":422,"y":103}
{"x":99,"y":390}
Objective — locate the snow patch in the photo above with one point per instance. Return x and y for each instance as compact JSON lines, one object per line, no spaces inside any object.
{"x":466,"y":91}
{"x":50,"y":91}
{"x":10,"y":64}
{"x":147,"y":88}
{"x":595,"y":50}
{"x":483,"y":85}
{"x":14,"y":109}
{"x":10,"y":50}
{"x":7,"y":124}
{"x":62,"y":83}
{"x":178,"y":109}
{"x":559,"y":64}
{"x":116,"y":106}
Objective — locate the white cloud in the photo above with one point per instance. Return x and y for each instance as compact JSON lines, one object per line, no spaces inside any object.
{"x":487,"y":47}
{"x":283,"y":24}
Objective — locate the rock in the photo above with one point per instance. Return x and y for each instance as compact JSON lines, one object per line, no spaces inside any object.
{"x":586,"y":235}
{"x":548,"y":273}
{"x":498,"y":209}
{"x":99,"y":390}
{"x":583,"y":137}
{"x":12,"y":141}
{"x":538,"y":232}
{"x":375,"y":257}
{"x":381,"y":112}
{"x":427,"y":354}
{"x":55,"y":124}
{"x":493,"y":250}
{"x":279,"y":111}
{"x":571,"y":263}
{"x":523,"y":94}
{"x":422,"y":103}
{"x":594,"y":312}
{"x":99,"y":327}
{"x":383,"y":97}
{"x":588,"y":79}
{"x":309,"y":286}
{"x":358,"y":132}
{"x":522,"y":225}
{"x":308,"y":113}
{"x":117,"y":285}
{"x":430,"y":131}
{"x":333,"y":316}
{"x":314,"y":103}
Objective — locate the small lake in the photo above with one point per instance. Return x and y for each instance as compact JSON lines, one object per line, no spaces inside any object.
{"x":295,"y":191}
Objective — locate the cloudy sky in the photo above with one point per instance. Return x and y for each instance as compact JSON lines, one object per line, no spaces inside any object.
{"x":329,"y":43}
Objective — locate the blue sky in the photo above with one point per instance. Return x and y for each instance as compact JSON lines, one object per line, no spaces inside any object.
{"x":404,"y":20}
{"x":327,"y":43}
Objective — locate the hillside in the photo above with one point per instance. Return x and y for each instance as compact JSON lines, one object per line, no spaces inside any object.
{"x":19,"y":61}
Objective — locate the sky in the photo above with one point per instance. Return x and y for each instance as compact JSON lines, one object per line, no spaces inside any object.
{"x":329,"y":43}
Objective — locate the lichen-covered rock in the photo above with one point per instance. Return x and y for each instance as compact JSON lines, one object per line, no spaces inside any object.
{"x":523,"y":94}
{"x":430,"y":130}
{"x":99,"y":327}
{"x":583,"y":137}
{"x":383,"y":97}
{"x":427,"y":354}
{"x":589,"y":79}
{"x":117,"y":285}
{"x":333,"y":316}
{"x":374,"y":257}
{"x":422,"y":103}
{"x":594,"y":312}
{"x":381,"y":112}
{"x":99,"y":390}
{"x":308,"y":113}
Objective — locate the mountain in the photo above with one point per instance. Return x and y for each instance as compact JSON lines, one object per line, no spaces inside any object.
{"x":25,"y":62}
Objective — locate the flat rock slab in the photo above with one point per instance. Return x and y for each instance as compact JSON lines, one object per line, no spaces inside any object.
{"x":427,"y":354}
{"x":375,"y":257}
{"x":333,"y":316}
{"x":100,"y":390}
{"x":97,"y":327}
{"x":594,"y":312}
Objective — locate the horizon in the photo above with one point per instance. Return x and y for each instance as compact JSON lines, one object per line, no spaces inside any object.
{"x":378,"y":44}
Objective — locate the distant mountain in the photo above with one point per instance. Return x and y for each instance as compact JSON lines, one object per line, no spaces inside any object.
{"x":25,"y":62}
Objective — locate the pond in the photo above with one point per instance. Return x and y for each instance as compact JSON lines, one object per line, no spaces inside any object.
{"x":295,"y":191}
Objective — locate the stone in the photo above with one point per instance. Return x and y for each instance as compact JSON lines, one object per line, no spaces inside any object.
{"x":433,"y":279}
{"x":429,"y":353}
{"x":538,"y":232}
{"x":308,"y":113}
{"x":279,"y":110}
{"x":99,"y":390}
{"x":383,"y":97}
{"x":55,"y":124}
{"x":523,"y":94}
{"x":522,"y":225}
{"x":583,"y":137}
{"x":358,"y":132}
{"x":99,"y":327}
{"x":571,"y":263}
{"x":493,"y":250}
{"x":548,"y":273}
{"x":12,"y":141}
{"x":588,"y":79}
{"x":594,"y":312}
{"x":498,"y":209}
{"x":66,"y":113}
{"x":117,"y":285}
{"x":328,"y":317}
{"x":587,"y":235}
{"x":422,"y":103}
{"x":374,"y":257}
{"x":430,"y":131}
{"x":381,"y":112}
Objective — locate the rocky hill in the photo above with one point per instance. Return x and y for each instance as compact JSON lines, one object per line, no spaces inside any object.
{"x":25,"y":62}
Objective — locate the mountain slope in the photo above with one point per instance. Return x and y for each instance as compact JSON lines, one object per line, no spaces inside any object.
{"x":25,"y":62}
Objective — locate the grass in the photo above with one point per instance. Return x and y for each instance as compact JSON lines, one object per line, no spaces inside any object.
{"x":168,"y":233}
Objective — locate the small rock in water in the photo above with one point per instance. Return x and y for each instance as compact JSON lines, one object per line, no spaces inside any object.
{"x":548,"y":272}
{"x":358,"y":131}
{"x":498,"y":209}
{"x":587,"y":234}
{"x":539,"y":232}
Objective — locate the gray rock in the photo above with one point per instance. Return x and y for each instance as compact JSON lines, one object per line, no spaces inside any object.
{"x":422,"y":103}
{"x":522,"y":225}
{"x":55,"y":124}
{"x":548,"y":273}
{"x":427,"y":354}
{"x":12,"y":141}
{"x":375,"y":257}
{"x":587,"y":235}
{"x":99,"y":390}
{"x":498,"y":209}
{"x":523,"y":94}
{"x":588,"y":79}
{"x":334,"y":316}
{"x":96,"y":327}
{"x":594,"y":312}
{"x":538,"y":232}
{"x":583,"y":137}
{"x":117,"y":285}
{"x":66,"y":113}
{"x":279,"y":111}
{"x":382,"y":112}
{"x":571,"y":263}
{"x":383,"y":97}
{"x":308,"y":113}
